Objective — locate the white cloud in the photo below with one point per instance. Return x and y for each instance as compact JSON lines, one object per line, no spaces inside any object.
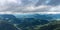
{"x":6,"y":2}
{"x":27,"y":6}
{"x":41,"y":7}
{"x":55,"y":9}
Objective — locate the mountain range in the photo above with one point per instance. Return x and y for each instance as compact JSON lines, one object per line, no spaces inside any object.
{"x":28,"y":20}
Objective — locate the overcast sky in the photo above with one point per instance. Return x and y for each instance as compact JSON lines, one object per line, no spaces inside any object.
{"x":26,"y":6}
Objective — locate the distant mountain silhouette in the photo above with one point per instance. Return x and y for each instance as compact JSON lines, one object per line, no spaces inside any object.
{"x":7,"y":16}
{"x":36,"y":16}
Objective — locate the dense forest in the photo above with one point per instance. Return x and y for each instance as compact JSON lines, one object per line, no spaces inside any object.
{"x":10,"y":22}
{"x":40,"y":25}
{"x":31,"y":25}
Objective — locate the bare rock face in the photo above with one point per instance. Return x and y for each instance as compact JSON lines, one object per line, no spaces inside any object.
{"x":6,"y":26}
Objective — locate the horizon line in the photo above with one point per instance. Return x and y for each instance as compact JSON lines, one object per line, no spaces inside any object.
{"x":29,"y":12}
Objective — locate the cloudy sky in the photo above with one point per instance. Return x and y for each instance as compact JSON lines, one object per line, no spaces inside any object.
{"x":26,"y":6}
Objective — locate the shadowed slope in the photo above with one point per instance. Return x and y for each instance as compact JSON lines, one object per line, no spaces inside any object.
{"x":6,"y":26}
